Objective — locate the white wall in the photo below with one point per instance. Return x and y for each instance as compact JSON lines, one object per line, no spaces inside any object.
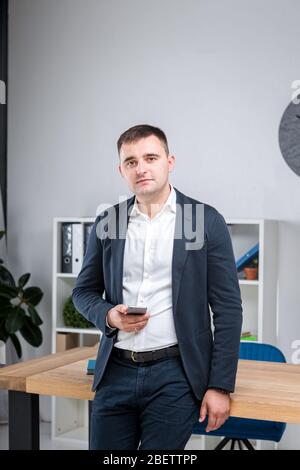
{"x":215,"y":75}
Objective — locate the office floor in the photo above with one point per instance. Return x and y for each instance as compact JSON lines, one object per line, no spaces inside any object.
{"x":45,"y":442}
{"x":49,"y":444}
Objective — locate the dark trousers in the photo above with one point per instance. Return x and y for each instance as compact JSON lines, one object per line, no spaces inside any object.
{"x":143,"y":406}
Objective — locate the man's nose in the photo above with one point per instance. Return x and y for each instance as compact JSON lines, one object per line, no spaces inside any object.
{"x":141,"y":167}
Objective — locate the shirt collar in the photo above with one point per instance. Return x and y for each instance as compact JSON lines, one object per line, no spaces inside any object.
{"x":170,"y":204}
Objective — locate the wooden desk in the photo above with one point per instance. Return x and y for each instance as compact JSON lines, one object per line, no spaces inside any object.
{"x":15,"y":377}
{"x":23,"y":406}
{"x":264,"y":390}
{"x":267,"y":390}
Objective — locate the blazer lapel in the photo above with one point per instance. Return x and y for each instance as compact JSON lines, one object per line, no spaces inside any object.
{"x":118,"y":246}
{"x":179,"y":247}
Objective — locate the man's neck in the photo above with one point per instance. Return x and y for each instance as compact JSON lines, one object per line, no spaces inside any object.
{"x":152,"y":206}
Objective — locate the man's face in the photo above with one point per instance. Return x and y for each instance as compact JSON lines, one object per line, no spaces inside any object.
{"x":145,"y":166}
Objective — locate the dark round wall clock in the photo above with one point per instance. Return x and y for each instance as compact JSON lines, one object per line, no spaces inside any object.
{"x":289,"y":136}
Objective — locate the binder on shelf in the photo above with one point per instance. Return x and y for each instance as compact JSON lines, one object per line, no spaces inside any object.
{"x":77,"y":247}
{"x":66,"y":247}
{"x":87,"y":231}
{"x":90,"y":366}
{"x":247,"y":257}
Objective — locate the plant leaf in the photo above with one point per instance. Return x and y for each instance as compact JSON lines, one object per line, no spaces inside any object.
{"x":32,"y":295}
{"x":2,"y":233}
{"x":23,"y":280}
{"x":36,"y":319}
{"x":32,"y":333}
{"x":15,"y":320}
{"x":15,"y":341}
{"x":8,"y":292}
{"x":5,"y":309}
{"x":3,"y":333}
{"x":6,"y":278}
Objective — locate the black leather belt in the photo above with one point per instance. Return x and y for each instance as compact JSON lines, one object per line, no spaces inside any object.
{"x":147,"y":356}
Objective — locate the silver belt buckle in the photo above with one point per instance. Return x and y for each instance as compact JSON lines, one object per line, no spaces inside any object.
{"x":132,"y":356}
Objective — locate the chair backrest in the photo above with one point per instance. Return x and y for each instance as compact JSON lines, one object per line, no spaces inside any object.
{"x":260,"y":352}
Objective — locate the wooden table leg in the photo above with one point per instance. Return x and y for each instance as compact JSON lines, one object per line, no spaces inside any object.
{"x":90,"y":421}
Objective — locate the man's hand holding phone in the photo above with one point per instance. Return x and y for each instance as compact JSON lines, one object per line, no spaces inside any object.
{"x":128,"y":319}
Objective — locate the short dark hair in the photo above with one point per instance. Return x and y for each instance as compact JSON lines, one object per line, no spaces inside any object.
{"x":141,"y":131}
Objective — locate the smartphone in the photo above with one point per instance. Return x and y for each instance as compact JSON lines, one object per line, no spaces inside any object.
{"x":137,"y":310}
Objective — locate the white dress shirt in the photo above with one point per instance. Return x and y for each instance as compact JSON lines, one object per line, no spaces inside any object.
{"x":147,"y":276}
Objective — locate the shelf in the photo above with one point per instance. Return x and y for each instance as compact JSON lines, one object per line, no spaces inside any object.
{"x":74,"y":219}
{"x":89,"y":331}
{"x":245,"y":282}
{"x":243,"y":340}
{"x":67,"y":275}
{"x":245,"y":221}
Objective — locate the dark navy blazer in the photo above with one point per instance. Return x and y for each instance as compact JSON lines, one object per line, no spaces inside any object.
{"x":201,"y":277}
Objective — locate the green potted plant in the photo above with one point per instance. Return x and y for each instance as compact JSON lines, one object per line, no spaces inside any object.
{"x":18,"y":312}
{"x":72,"y":317}
{"x":251,"y":270}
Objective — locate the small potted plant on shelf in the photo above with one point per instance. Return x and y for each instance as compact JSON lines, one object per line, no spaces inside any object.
{"x":72,"y":317}
{"x":251,"y":270}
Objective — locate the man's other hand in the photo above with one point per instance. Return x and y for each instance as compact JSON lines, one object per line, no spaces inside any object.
{"x":217,"y":405}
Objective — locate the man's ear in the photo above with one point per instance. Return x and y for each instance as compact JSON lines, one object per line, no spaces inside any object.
{"x":171,"y":159}
{"x":120,"y":170}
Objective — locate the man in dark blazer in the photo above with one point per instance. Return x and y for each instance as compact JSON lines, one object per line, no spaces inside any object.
{"x":158,"y":373}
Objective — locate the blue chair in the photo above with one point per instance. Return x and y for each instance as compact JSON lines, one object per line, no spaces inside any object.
{"x":240,"y":430}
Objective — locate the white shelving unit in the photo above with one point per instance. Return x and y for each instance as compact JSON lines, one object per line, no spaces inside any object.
{"x":69,"y":416}
{"x":259,"y":297}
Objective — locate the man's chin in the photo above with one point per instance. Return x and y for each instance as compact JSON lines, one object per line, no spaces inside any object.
{"x":146,"y":189}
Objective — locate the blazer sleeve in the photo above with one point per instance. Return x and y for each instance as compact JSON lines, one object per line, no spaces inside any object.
{"x":224,"y":299}
{"x":89,"y":287}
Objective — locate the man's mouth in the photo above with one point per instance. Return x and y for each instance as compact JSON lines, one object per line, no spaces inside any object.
{"x":144,"y":180}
